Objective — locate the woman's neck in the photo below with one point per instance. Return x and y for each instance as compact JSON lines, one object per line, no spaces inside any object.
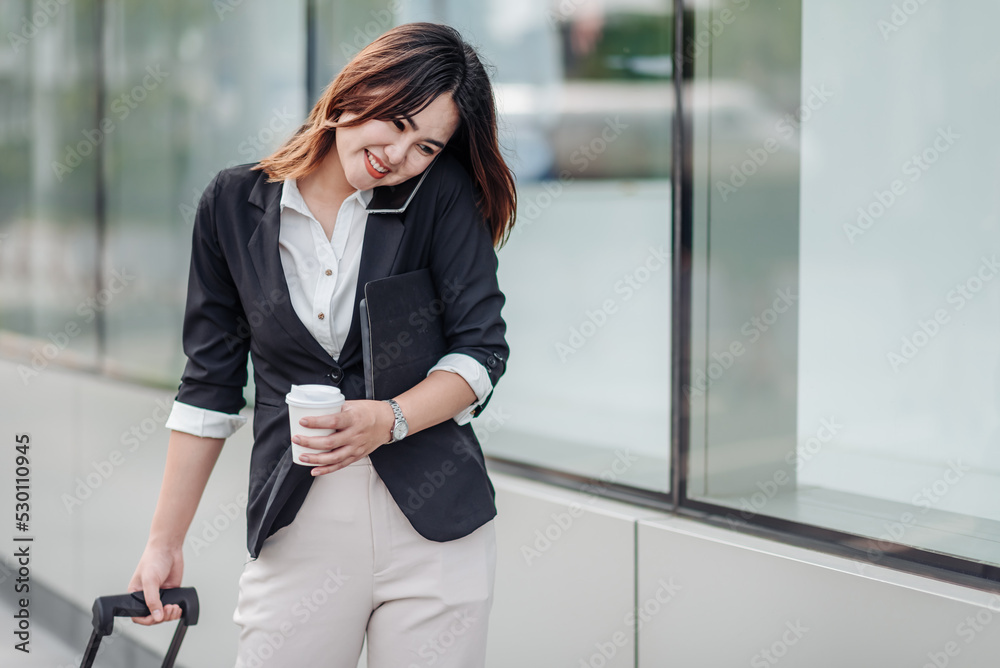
{"x":327,"y":184}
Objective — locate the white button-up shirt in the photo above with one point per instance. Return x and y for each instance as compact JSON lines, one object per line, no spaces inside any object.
{"x":322,"y":277}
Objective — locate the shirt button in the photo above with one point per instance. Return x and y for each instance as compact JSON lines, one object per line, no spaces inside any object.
{"x":321,"y":316}
{"x":329,"y":272}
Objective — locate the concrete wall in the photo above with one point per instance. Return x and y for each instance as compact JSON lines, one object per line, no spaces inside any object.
{"x":581,"y":581}
{"x":620,"y":587}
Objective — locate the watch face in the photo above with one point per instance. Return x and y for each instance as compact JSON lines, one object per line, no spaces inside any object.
{"x":399,"y":432}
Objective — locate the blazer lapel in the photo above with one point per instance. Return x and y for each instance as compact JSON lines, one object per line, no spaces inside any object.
{"x":263,"y":250}
{"x":383,"y":233}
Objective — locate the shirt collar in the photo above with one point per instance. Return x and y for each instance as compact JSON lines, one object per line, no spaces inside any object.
{"x":292,"y":198}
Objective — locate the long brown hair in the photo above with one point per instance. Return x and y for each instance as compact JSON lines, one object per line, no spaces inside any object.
{"x":398,"y":75}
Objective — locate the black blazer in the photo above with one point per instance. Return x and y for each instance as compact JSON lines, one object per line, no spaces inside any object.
{"x":238,"y":303}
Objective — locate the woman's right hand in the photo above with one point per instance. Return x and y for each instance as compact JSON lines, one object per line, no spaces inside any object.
{"x":159,"y":568}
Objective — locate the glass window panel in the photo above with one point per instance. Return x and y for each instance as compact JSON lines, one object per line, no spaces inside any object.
{"x":190,"y":91}
{"x":586,"y":102}
{"x":869,"y":404}
{"x":343,"y":29}
{"x":48,"y":226}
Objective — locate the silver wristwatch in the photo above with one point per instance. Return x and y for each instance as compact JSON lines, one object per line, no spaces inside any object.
{"x":400,"y":429}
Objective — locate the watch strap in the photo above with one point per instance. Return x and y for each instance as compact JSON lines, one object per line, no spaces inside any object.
{"x":398,"y":413}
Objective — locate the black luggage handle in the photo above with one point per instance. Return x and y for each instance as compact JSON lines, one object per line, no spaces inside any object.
{"x":133,"y":604}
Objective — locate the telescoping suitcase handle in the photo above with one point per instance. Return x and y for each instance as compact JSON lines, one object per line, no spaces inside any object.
{"x":106,"y":608}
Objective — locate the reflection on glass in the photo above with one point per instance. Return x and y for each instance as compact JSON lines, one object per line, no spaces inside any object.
{"x":586,"y":102}
{"x":872,"y":395}
{"x":190,"y":91}
{"x":48,"y":228}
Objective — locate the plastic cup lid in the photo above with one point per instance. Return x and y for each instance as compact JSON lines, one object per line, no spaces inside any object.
{"x":314,"y":395}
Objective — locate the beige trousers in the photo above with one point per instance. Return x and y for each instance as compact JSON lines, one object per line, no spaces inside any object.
{"x":350,"y":564}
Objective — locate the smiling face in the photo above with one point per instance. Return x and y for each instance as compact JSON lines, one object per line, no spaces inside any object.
{"x":383,"y":153}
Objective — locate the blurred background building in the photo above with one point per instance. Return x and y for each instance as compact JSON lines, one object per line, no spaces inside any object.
{"x":751,"y":414}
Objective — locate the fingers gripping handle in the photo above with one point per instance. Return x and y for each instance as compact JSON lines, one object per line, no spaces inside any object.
{"x":106,"y":608}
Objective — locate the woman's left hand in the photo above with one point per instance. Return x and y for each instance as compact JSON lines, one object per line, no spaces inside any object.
{"x":361,"y":426}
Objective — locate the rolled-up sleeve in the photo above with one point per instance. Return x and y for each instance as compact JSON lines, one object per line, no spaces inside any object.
{"x":203,"y":422}
{"x":215,"y":343}
{"x":475,"y":375}
{"x":464,"y":268}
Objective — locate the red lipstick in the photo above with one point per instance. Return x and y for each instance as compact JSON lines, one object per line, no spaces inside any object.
{"x":375,"y":174}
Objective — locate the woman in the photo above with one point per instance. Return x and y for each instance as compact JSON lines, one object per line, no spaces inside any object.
{"x":390,"y":532}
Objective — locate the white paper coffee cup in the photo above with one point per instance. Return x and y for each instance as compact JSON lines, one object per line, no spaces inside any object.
{"x":311,"y":401}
